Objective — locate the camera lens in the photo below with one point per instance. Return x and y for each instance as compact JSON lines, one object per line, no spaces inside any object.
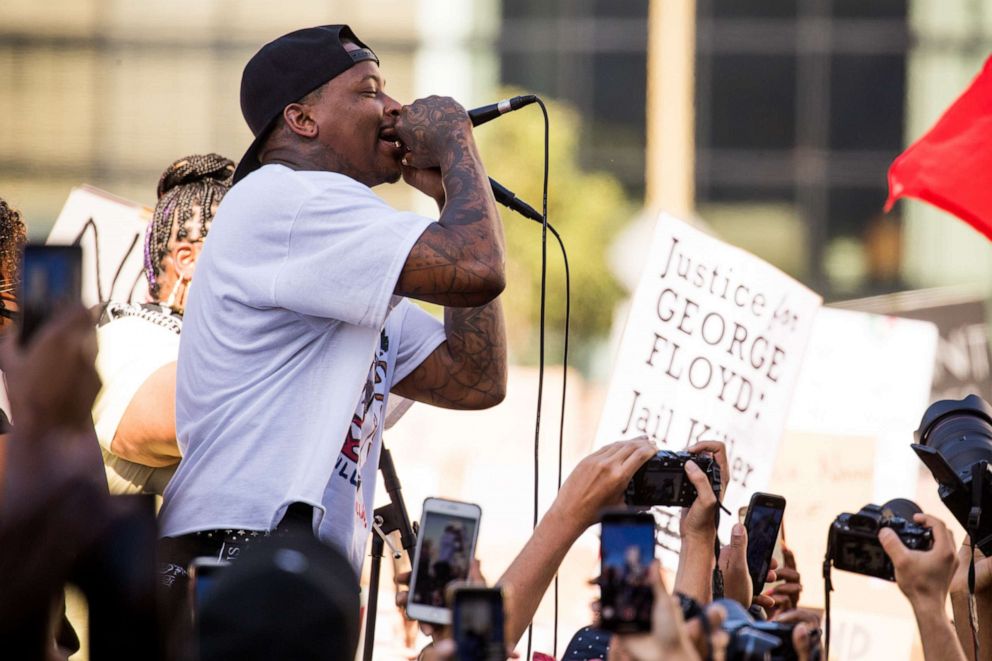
{"x":900,"y":507}
{"x":961,"y":431}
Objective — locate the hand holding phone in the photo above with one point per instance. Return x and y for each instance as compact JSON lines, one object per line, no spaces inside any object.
{"x":626,"y":553}
{"x":763,"y":523}
{"x":444,"y":553}
{"x":51,"y":280}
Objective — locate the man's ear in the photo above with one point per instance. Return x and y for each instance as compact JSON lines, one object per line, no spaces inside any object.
{"x":299,"y":120}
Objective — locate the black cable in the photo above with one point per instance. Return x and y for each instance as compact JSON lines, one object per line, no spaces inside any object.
{"x":540,"y":370}
{"x":564,"y":390}
{"x":828,"y":587}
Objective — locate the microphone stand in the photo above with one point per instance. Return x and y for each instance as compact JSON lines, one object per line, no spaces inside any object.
{"x":385,"y":520}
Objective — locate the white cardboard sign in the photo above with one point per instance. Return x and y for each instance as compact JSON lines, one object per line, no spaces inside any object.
{"x":868,"y":375}
{"x":111,"y":232}
{"x":711,"y":351}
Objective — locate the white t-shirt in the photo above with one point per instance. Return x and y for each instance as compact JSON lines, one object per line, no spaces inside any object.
{"x":410,"y":335}
{"x":283,"y":320}
{"x":134,"y":342}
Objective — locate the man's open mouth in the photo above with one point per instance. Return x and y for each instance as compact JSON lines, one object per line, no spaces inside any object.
{"x":389,"y":135}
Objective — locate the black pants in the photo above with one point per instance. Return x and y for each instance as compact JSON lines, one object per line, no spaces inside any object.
{"x":176,"y":553}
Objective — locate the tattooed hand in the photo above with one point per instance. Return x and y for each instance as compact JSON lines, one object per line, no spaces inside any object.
{"x":429,"y":129}
{"x":457,"y":261}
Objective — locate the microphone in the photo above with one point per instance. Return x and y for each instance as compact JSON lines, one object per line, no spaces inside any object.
{"x":483,"y":114}
{"x":507,"y":198}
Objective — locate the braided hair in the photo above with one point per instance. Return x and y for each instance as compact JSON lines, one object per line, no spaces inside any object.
{"x":13,"y":236}
{"x":198,"y":180}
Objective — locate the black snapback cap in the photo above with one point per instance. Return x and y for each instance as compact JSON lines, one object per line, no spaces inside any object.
{"x":285,"y":70}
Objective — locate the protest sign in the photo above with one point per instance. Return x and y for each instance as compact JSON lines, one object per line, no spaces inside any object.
{"x":964,"y":358}
{"x":111,"y":232}
{"x":711,"y":351}
{"x":868,"y":375}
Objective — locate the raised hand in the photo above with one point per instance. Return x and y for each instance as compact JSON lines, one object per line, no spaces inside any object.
{"x":599,"y":480}
{"x":737,"y":584}
{"x":430,"y":128}
{"x":785,"y":595}
{"x":668,"y":639}
{"x":925,"y":578}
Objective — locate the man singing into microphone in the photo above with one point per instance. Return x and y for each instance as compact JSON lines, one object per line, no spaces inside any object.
{"x":298,"y":326}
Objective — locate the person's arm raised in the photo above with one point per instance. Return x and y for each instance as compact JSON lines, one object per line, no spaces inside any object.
{"x":597,"y":482}
{"x":925,"y":578}
{"x":457,"y":261}
{"x":983,"y":599}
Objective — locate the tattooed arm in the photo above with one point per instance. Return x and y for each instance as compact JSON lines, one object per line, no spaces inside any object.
{"x":468,"y":370}
{"x":457,"y":261}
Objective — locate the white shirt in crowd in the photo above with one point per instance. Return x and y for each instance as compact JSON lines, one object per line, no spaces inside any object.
{"x":134,"y":341}
{"x":286,"y":352}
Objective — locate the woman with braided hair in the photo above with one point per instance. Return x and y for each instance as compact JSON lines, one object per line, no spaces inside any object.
{"x":134,"y":413}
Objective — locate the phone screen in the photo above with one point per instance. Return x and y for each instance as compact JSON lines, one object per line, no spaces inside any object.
{"x":51,"y":278}
{"x":205,"y":573}
{"x":764,"y":519}
{"x":627,"y":550}
{"x":445,"y":555}
{"x":478,"y":624}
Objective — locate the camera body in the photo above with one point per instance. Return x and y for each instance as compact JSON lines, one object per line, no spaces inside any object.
{"x":759,"y":639}
{"x":955,"y":444}
{"x":662,"y":480}
{"x":853,"y":543}
{"x":786,"y":651}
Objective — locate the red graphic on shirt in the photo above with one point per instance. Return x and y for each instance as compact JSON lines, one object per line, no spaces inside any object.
{"x":352,"y":439}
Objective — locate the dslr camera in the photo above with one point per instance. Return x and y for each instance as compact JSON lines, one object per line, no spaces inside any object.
{"x":662,"y":480}
{"x":954,"y":441}
{"x":754,"y":640}
{"x":853,"y":545}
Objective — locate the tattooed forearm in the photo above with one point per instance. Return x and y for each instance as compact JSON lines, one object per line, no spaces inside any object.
{"x":468,"y":371}
{"x":459,"y":261}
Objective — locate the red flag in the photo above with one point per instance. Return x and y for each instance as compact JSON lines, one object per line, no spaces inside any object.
{"x":951,"y":166}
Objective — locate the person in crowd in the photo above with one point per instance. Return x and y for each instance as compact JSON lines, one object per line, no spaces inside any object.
{"x":925,"y":578}
{"x":300,"y":326}
{"x":53,"y":498}
{"x":134,"y":413}
{"x":983,"y":600}
{"x":13,"y":235}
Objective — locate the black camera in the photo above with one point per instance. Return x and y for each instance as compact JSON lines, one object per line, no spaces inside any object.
{"x":753,"y":640}
{"x":853,"y":545}
{"x":662,"y":480}
{"x":954,"y":441}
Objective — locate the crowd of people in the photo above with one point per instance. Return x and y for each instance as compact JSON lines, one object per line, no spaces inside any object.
{"x":253,"y":404}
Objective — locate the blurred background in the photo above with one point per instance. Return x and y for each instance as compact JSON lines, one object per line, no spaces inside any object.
{"x":771,"y":123}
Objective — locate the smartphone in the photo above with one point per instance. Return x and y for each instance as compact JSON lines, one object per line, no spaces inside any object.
{"x":445,"y":548}
{"x":763,"y":523}
{"x":203,"y":574}
{"x":477,"y":615}
{"x":626,"y":554}
{"x":51,"y":280}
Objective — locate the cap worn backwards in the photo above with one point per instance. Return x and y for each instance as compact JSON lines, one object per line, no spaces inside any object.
{"x":285,"y":70}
